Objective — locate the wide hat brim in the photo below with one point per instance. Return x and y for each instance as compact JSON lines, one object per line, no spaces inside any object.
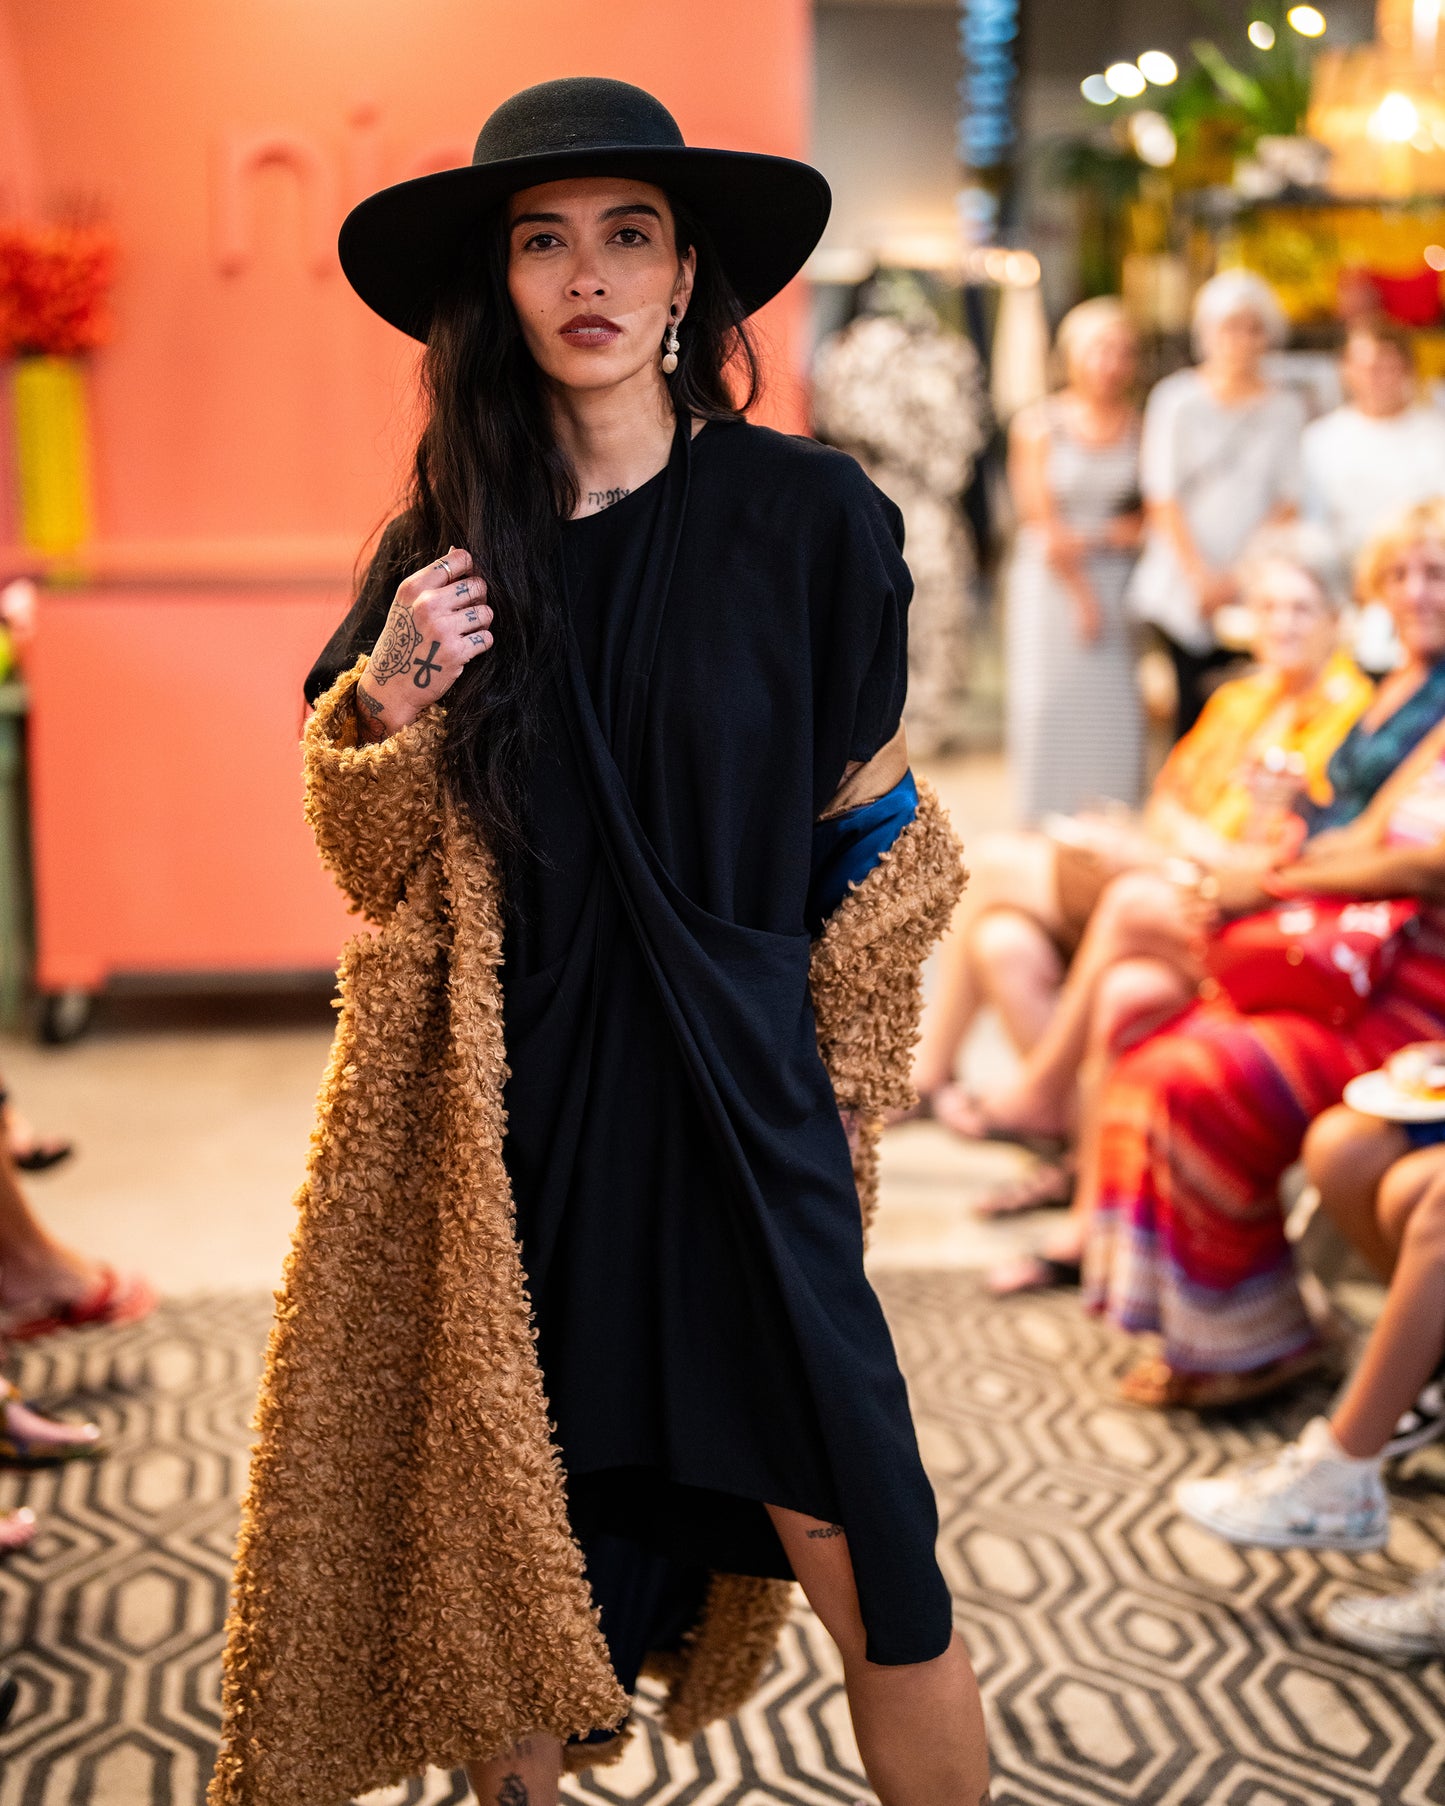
{"x":402,"y":246}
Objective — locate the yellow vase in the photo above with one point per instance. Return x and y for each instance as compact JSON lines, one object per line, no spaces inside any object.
{"x":52,"y":452}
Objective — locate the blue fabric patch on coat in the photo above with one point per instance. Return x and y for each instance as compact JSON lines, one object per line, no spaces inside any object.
{"x":848,"y":847}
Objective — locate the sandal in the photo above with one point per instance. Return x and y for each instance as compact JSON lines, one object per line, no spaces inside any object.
{"x":968,"y":1118}
{"x":1033,"y":1273}
{"x":921,"y":1110}
{"x":26,"y":1451}
{"x":1157,"y":1386}
{"x":36,"y":1156}
{"x":40,"y":1156}
{"x":112,"y":1300}
{"x":1047,"y":1185}
{"x":17,"y":1530}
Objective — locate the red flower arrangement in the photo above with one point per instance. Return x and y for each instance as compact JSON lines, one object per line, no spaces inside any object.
{"x":54,"y":288}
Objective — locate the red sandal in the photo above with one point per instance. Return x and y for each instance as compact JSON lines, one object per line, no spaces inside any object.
{"x":114,"y":1299}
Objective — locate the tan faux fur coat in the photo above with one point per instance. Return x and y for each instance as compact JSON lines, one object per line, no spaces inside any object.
{"x":407,"y":1588}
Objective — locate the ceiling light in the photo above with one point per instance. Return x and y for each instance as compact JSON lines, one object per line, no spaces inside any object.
{"x":1153,"y":139}
{"x":1158,"y":67}
{"x":1125,"y":79}
{"x":1396,"y":120}
{"x":1308,"y":21}
{"x":1095,"y":89}
{"x":1261,"y":35}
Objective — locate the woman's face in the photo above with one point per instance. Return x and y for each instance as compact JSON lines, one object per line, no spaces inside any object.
{"x":1236,"y":343}
{"x":1294,"y":625}
{"x":1412,"y":587}
{"x":593,"y":272}
{"x":1104,"y":365}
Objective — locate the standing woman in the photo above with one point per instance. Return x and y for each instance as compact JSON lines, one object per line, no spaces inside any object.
{"x":1220,"y":458}
{"x":608,"y":748}
{"x":1075,"y":721}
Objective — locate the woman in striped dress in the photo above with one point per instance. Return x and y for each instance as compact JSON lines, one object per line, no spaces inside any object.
{"x":1199,"y":1123}
{"x":1075,"y":721}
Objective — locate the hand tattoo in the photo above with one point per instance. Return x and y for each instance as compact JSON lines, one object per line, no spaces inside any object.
{"x":372,"y":704}
{"x":471,"y":617}
{"x":512,"y":1791}
{"x":463,"y":589}
{"x":604,"y":498}
{"x":397,"y":648}
{"x":823,"y":1531}
{"x":425,"y":667}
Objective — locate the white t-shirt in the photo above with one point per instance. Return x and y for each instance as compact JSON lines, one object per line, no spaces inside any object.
{"x":1228,"y":468}
{"x":1359,"y":471}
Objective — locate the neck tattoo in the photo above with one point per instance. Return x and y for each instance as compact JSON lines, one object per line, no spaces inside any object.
{"x":604,"y":498}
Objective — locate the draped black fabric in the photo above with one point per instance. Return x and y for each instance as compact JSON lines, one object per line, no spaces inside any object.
{"x":685,"y":1203}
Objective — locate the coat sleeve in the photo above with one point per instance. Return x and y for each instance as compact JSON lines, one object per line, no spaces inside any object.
{"x":375,"y":810}
{"x":867,"y":964}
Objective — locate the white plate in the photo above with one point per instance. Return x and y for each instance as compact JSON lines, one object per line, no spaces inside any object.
{"x":1375,"y":1094}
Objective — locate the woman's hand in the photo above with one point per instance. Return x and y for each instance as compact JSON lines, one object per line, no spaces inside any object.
{"x":1216,"y":590}
{"x":439,"y":622}
{"x":1234,"y":891}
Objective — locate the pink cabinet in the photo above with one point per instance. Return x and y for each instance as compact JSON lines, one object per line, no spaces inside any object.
{"x":165,"y":784}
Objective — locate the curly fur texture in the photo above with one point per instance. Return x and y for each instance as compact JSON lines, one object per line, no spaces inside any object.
{"x":407,"y":1588}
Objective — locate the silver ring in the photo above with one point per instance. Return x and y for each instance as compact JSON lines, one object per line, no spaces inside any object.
{"x":446,"y":567}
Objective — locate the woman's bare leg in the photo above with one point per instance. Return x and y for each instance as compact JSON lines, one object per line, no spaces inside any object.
{"x":1135,"y":997}
{"x":1406,"y":1343}
{"x":34,"y":1267}
{"x":919,"y":1728}
{"x":1139,"y":916}
{"x":1020,"y":972}
{"x":1005,"y":871}
{"x":1347,"y":1156}
{"x":529,"y":1774}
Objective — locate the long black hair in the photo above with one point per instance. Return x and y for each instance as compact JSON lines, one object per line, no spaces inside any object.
{"x":490,"y":476}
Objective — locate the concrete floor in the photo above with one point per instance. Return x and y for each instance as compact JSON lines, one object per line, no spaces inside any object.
{"x":192,"y":1118}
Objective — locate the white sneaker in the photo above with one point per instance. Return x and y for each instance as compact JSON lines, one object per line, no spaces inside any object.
{"x":1400,"y":1627}
{"x":1310,"y":1495}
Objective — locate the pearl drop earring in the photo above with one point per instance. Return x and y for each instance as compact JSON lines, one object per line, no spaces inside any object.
{"x":669,"y":359}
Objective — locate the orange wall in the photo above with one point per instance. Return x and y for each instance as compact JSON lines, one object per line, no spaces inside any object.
{"x":252,"y":417}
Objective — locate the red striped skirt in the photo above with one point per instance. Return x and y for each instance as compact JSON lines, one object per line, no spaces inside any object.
{"x":1198,"y":1126}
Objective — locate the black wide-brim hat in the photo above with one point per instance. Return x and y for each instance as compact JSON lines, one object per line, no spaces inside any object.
{"x":401,"y":247}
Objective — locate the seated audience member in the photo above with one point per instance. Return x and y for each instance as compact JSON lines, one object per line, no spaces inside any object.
{"x":1367,"y":460}
{"x":1179,"y":1181}
{"x":1326,"y":1490}
{"x":1382,"y":451}
{"x":1140,"y":918}
{"x":1223,"y":797}
{"x":1219,"y":459}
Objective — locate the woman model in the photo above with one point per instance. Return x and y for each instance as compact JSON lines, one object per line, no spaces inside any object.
{"x":663,"y":782}
{"x":1220,"y":457}
{"x":1075,"y":719}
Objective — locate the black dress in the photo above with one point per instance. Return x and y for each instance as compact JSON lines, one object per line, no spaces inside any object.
{"x":685,"y":1204}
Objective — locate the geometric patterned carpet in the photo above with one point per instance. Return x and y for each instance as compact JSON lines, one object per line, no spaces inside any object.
{"x":1124,"y":1657}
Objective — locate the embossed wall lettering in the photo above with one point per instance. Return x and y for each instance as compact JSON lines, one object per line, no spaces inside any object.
{"x":325,"y":190}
